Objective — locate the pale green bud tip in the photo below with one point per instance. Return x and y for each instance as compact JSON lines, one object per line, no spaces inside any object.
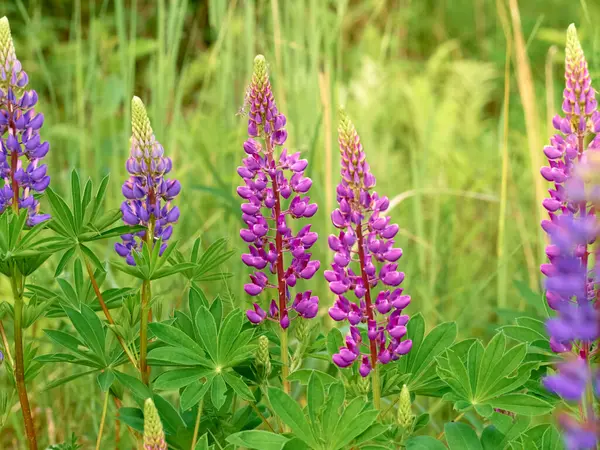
{"x":405,"y":415}
{"x":346,"y":129}
{"x":260,"y":69}
{"x":154,"y":436}
{"x":140,"y":123}
{"x":7,"y":48}
{"x":262,"y":354}
{"x":573,"y":48}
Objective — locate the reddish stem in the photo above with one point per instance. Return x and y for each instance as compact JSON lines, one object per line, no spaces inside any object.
{"x":365,"y":279}
{"x":281,"y":285}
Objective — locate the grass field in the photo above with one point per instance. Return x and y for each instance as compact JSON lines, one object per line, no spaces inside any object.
{"x":453,"y":135}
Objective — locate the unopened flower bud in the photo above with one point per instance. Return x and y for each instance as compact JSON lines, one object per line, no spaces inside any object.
{"x":154,"y":436}
{"x":405,"y":416}
{"x":262,"y":358}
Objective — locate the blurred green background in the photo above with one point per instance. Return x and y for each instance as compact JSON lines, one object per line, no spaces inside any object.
{"x":454,"y":142}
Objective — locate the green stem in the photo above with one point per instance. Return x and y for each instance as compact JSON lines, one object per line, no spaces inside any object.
{"x":17,"y":282}
{"x":376,"y":388}
{"x":103,"y":420}
{"x":146,"y":293}
{"x":197,"y":426}
{"x":285,"y":364}
{"x":96,"y":288}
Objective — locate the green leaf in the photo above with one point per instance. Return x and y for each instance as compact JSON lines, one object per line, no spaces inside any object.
{"x":216,"y":309}
{"x":354,"y":427}
{"x":238,"y":385}
{"x":303,"y":376}
{"x":106,"y":379}
{"x":89,"y":329}
{"x":134,"y":417}
{"x":229,"y":331}
{"x":510,"y":428}
{"x":76,"y":200}
{"x":176,"y":356}
{"x":60,"y":211}
{"x":60,"y":381}
{"x":331,"y":414}
{"x":257,"y":439}
{"x":522,"y":334}
{"x":461,"y":437}
{"x":219,"y":389}
{"x":552,"y":440}
{"x":525,"y":404}
{"x":174,"y":337}
{"x":288,"y":410}
{"x":493,"y":353}
{"x":424,"y":443}
{"x":534,"y":299}
{"x":192,"y":394}
{"x":92,"y":257}
{"x":484,"y":410}
{"x":134,"y":385}
{"x":315,"y":397}
{"x":99,"y":198}
{"x":176,"y":379}
{"x":170,"y":270}
{"x":196,"y":299}
{"x":169,"y":416}
{"x":334,"y":341}
{"x":64,"y":260}
{"x":438,"y":340}
{"x":207,"y":331}
{"x":506,"y":365}
{"x":134,"y":271}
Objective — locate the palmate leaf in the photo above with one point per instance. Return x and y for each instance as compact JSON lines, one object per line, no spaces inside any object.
{"x":88,"y":347}
{"x":18,"y":244}
{"x":420,"y":364}
{"x":490,"y":377}
{"x":204,"y":355}
{"x":149,"y":265}
{"x":325,"y":423}
{"x":205,"y":264}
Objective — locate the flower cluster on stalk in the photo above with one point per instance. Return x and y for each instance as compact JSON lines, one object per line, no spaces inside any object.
{"x":271,"y":177}
{"x":148,"y":194}
{"x":21,"y":148}
{"x":365,"y":258}
{"x":573,"y":229}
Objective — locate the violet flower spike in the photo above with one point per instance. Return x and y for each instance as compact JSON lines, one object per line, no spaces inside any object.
{"x":148,"y":194}
{"x":365,"y":258}
{"x":22,"y":175}
{"x":275,"y":191}
{"x":571,"y":284}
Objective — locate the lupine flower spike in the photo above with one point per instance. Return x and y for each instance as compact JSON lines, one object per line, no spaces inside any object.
{"x":365,"y":258}
{"x":21,"y":147}
{"x":154,"y":436}
{"x":571,"y":284}
{"x":148,"y":194}
{"x":270,"y":179}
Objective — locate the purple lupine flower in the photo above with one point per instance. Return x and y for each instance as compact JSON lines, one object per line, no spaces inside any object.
{"x":571,"y":380}
{"x":269,"y":180}
{"x":365,"y":258}
{"x":579,"y":436}
{"x":21,"y":148}
{"x":148,"y":194}
{"x":572,"y":227}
